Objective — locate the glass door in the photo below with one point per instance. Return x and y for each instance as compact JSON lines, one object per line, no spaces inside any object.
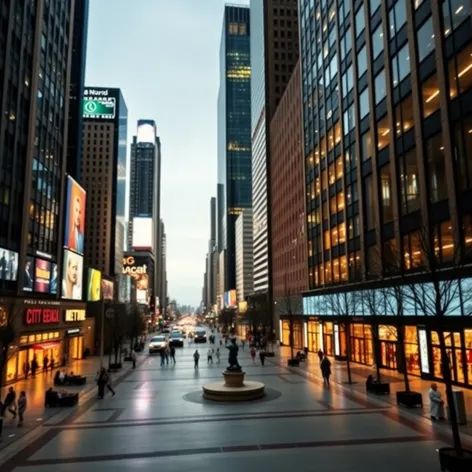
{"x":388,"y":353}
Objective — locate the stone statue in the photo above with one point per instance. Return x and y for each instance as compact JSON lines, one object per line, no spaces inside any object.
{"x":233,"y":357}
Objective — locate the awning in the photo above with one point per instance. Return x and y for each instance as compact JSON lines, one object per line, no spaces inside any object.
{"x":45,"y":346}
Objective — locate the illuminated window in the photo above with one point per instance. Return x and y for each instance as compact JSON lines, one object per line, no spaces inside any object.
{"x":455,"y":12}
{"x":460,"y":72}
{"x":409,"y":182}
{"x":340,"y":199}
{"x":233,"y":28}
{"x":404,"y":116}
{"x":430,"y":90}
{"x":383,"y":133}
{"x":436,"y":168}
{"x":327,"y":240}
{"x":386,"y":193}
{"x":425,"y":39}
{"x":412,"y":249}
{"x":369,"y":202}
{"x":332,"y":174}
{"x":463,"y":152}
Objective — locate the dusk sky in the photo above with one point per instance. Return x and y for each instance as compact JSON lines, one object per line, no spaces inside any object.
{"x":164,"y":55}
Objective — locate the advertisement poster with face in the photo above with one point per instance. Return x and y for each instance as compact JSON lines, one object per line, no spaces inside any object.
{"x":72,"y":274}
{"x":75,"y":217}
{"x":28,"y":274}
{"x":8,"y":264}
{"x":107,"y":290}
{"x":42,"y":276}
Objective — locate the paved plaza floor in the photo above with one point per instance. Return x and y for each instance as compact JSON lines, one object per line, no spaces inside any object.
{"x":159,"y":421}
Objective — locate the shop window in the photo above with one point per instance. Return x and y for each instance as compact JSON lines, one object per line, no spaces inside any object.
{"x":436,"y":168}
{"x":388,"y":333}
{"x":430,"y":91}
{"x":463,"y":153}
{"x":413,"y":251}
{"x":425,"y":39}
{"x":412,"y":352}
{"x":383,"y":133}
{"x":369,"y":201}
{"x":380,"y":89}
{"x":409,"y":182}
{"x":386,"y":193}
{"x":468,"y":353}
{"x":367,"y":148}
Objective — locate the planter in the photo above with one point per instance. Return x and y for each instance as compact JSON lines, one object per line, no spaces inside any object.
{"x":234,"y":379}
{"x":293,"y":362}
{"x":410,"y":399}
{"x":449,"y":461}
{"x":270,"y":354}
{"x":379,"y":388}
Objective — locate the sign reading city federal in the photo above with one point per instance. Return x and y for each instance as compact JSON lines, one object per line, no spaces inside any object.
{"x":99,"y":104}
{"x":71,"y":316}
{"x":41,"y":316}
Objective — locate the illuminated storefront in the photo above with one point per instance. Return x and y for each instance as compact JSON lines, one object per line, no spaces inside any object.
{"x":313,"y":335}
{"x":297,"y":333}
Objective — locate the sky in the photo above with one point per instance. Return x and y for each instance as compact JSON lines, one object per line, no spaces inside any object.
{"x":164,"y":55}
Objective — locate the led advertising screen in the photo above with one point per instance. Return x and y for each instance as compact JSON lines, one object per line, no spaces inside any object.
{"x":97,"y":104}
{"x":124,"y":289}
{"x":143,"y":234}
{"x":8,"y":264}
{"x":233,"y":302}
{"x":94,"y":285}
{"x":146,"y":132}
{"x":107,"y":290}
{"x":42,"y":276}
{"x":75,"y":217}
{"x":141,"y":296}
{"x":28,"y":275}
{"x":72,"y":275}
{"x":53,"y":284}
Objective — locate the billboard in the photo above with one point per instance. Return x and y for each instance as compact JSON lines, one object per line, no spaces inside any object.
{"x":141,"y":296}
{"x":98,"y":104}
{"x":233,"y":302}
{"x":8,"y":264}
{"x":146,"y":132}
{"x":94,"y":285}
{"x":107,"y":290}
{"x":28,"y":275}
{"x":72,"y":275}
{"x":138,"y":269}
{"x":42,"y":276}
{"x":75,"y":217}
{"x":143,"y":235}
{"x":124,"y":289}
{"x":53,"y":284}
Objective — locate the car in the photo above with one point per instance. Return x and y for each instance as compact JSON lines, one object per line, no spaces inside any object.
{"x":157,"y":344}
{"x":176,"y":339}
{"x":165,"y":330}
{"x":200,"y":336}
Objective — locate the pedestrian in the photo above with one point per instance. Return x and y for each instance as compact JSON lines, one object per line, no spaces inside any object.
{"x":305,"y":350}
{"x":101,"y":382}
{"x":320,"y":355}
{"x":196,"y":358}
{"x":172,"y":353}
{"x":167,"y":354}
{"x":243,"y":342}
{"x":262,"y":356}
{"x":34,"y":366}
{"x":45,"y":364}
{"x":221,"y":342}
{"x":436,"y":407}
{"x":9,"y":403}
{"x":325,"y":370}
{"x":22,"y":404}
{"x":162,"y":353}
{"x":253,"y":354}
{"x":52,"y":364}
{"x":217,"y":355}
{"x":134,"y":358}
{"x":209,"y":356}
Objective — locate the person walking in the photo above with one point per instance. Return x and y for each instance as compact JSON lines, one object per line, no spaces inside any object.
{"x":162,"y":353}
{"x":167,"y":354}
{"x":196,"y":358}
{"x":243,"y":342}
{"x":22,"y":404}
{"x":101,"y":382}
{"x":10,"y":403}
{"x":45,"y":364}
{"x":134,"y":358}
{"x":172,"y":354}
{"x":436,"y":407}
{"x":217,"y":355}
{"x":210,"y":356}
{"x":262,"y":355}
{"x":253,"y":354}
{"x":34,"y":366}
{"x":325,"y":370}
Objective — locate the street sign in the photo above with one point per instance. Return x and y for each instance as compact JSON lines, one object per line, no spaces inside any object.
{"x":110,"y":313}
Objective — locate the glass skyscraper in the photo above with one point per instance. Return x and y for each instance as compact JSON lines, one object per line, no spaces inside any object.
{"x":234,"y":132}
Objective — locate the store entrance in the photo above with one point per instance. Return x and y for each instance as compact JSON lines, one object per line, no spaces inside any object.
{"x":388,"y":354}
{"x":454,"y":353}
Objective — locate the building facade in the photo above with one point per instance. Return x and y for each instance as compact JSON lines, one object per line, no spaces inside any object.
{"x":162,"y":292}
{"x":103,"y":167}
{"x":234,"y":133}
{"x":387,"y":110}
{"x":274,"y":53}
{"x":35,"y":79}
{"x":289,"y":255}
{"x":244,"y":256}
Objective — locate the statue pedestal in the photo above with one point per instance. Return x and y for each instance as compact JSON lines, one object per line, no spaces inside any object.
{"x":234,"y":379}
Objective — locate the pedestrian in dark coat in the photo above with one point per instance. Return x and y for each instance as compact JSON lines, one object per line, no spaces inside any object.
{"x":325,"y":370}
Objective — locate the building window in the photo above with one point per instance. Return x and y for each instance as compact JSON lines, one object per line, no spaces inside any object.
{"x":346,"y":44}
{"x":364,"y":103}
{"x":380,"y":87}
{"x":361,"y":62}
{"x":397,"y":17}
{"x":460,"y":72}
{"x":430,"y":91}
{"x":369,"y":203}
{"x":349,"y":121}
{"x":233,"y":28}
{"x":425,"y":39}
{"x":455,"y":12}
{"x":412,"y":250}
{"x":347,"y":81}
{"x":401,"y":65}
{"x":463,"y":153}
{"x":444,"y":242}
{"x":409,"y":182}
{"x":374,"y":6}
{"x":367,"y":146}
{"x":386,"y":194}
{"x":360,"y":21}
{"x":436,"y":168}
{"x":377,"y":42}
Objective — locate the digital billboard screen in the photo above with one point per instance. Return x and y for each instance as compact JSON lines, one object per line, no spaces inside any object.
{"x":72,"y":275}
{"x":146,"y":133}
{"x":124,"y":288}
{"x":75,"y":217}
{"x":42,"y":276}
{"x":94,"y":285}
{"x":53,"y":284}
{"x":8,"y":264}
{"x":107,"y":290}
{"x":28,"y":275}
{"x":98,"y":104}
{"x":138,"y":269}
{"x":143,"y":235}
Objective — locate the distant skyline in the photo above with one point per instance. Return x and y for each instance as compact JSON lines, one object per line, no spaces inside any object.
{"x":165,"y":58}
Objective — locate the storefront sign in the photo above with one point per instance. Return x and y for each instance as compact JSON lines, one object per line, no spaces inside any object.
{"x":72,"y":332}
{"x":74,"y":315}
{"x":41,"y":316}
{"x":336,"y":340}
{"x":423,"y":351}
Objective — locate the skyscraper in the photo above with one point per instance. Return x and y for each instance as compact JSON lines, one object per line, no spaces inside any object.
{"x":104,"y":177}
{"x":162,"y":289}
{"x":234,"y":135}
{"x":274,"y":52}
{"x":244,"y":255}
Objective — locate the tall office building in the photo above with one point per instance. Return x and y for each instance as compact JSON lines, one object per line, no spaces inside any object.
{"x":104,"y":177}
{"x":36,"y":53}
{"x":234,"y":134}
{"x":145,"y":195}
{"x":162,"y":290}
{"x":244,"y":256}
{"x":212,"y":250}
{"x":387,"y":117}
{"x":76,"y":89}
{"x":274,"y":53}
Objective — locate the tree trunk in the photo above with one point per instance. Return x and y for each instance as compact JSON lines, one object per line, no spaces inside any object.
{"x":401,"y":346}
{"x":446,"y":370}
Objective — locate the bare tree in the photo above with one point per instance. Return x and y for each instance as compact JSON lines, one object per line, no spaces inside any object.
{"x":444,"y":292}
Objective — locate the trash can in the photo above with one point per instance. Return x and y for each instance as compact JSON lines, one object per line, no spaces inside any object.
{"x":459,"y":404}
